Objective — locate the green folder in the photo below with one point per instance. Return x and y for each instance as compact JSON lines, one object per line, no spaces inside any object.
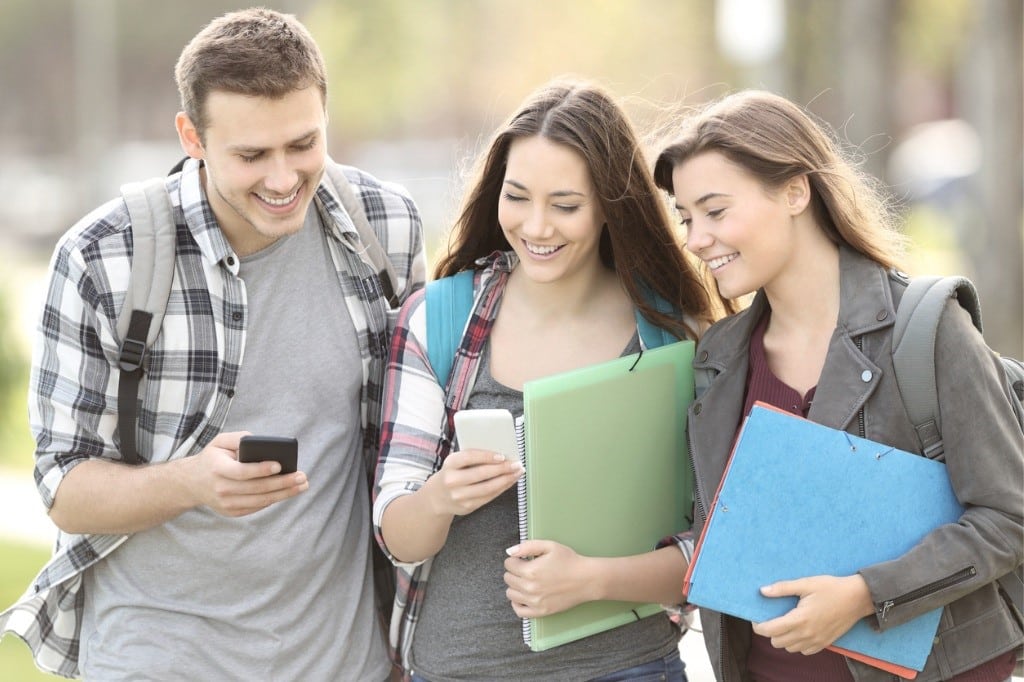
{"x":608,"y":472}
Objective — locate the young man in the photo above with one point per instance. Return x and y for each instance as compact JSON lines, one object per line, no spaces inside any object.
{"x":194,"y":565}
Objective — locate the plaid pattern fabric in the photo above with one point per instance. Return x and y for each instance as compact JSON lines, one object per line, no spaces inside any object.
{"x":191,"y":370}
{"x":417,"y":427}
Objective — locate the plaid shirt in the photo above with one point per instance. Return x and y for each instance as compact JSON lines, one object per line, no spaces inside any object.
{"x":191,"y":370}
{"x":417,"y":427}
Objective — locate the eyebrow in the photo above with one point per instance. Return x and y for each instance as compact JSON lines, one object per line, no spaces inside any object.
{"x":251,"y":149}
{"x":558,"y":193}
{"x":704,"y":199}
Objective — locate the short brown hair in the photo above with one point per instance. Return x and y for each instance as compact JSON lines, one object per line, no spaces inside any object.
{"x":256,"y":52}
{"x":638,"y":241}
{"x":775,"y":141}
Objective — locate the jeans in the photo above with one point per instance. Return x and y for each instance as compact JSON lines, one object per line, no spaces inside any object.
{"x":668,"y":669}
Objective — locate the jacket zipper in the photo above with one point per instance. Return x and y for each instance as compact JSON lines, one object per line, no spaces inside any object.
{"x":936,"y":586}
{"x":861,"y":426}
{"x":696,"y":489}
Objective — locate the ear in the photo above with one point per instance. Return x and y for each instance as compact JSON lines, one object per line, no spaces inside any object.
{"x":189,"y":136}
{"x":798,"y":194}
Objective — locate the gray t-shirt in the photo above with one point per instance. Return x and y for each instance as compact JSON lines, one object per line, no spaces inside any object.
{"x":467,"y":629}
{"x":285,"y":593}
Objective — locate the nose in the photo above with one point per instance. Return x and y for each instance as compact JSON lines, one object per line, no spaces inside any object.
{"x":281,"y":177}
{"x":698,"y":237}
{"x":536,"y":225}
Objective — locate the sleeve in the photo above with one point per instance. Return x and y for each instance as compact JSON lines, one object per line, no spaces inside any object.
{"x":984,"y":454}
{"x":413,"y":415}
{"x":684,"y":542}
{"x":72,"y":391}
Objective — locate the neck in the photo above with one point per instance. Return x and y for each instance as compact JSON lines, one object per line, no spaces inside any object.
{"x":806,"y":296}
{"x":570,"y":297}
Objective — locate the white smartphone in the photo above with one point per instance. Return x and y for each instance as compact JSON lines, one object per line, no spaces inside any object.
{"x":487,"y":429}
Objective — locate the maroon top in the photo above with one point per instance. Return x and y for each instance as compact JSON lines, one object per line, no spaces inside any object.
{"x":764,"y":662}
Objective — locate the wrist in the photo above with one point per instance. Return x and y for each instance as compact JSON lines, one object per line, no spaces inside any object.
{"x":595,"y":580}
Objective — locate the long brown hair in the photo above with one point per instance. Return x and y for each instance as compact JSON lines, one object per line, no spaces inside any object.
{"x":775,"y":141}
{"x":638,"y":242}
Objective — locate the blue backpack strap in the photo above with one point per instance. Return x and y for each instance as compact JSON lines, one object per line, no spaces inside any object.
{"x":652,"y":335}
{"x":449,"y":302}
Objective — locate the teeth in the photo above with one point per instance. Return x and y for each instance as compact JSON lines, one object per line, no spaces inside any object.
{"x":278,"y":202}
{"x":541,"y":250}
{"x":716,"y":263}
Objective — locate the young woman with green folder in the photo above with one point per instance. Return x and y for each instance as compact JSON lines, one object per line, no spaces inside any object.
{"x":565,"y":229}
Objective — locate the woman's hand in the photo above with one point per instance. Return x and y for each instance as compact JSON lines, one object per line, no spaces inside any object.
{"x":468,"y":480}
{"x":545,"y":577}
{"x":828,"y":608}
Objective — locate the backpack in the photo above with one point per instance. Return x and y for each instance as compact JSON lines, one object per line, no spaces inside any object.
{"x":154,"y":233}
{"x":913,"y":357}
{"x":449,"y":301}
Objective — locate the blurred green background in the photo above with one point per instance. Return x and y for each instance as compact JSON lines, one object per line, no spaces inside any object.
{"x":927,"y":94}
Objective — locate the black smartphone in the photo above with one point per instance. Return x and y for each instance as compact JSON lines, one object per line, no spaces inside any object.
{"x":281,"y":449}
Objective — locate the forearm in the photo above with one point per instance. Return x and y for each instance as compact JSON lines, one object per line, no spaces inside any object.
{"x":655,"y":577}
{"x":412,"y":529}
{"x":103,"y":497}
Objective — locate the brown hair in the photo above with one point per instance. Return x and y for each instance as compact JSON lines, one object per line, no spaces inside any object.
{"x":775,"y":141}
{"x":256,"y":52}
{"x":638,"y":241}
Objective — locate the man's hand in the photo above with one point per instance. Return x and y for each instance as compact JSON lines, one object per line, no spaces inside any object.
{"x":233,"y":488}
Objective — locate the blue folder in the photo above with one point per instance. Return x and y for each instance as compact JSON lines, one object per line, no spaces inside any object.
{"x":801,"y":499}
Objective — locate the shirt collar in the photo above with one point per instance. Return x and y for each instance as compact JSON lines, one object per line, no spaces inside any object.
{"x":199,"y":218}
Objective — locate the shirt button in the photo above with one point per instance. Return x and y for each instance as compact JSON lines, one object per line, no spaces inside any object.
{"x":236,"y":316}
{"x":865,"y":376}
{"x":230,"y":260}
{"x":696,"y":408}
{"x":703,"y":356}
{"x":882,"y":314}
{"x":231,"y":393}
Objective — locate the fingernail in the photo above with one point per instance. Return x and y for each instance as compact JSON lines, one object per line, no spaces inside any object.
{"x":511,"y":551}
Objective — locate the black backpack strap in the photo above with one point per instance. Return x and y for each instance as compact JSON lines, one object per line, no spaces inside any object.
{"x":149,"y":287}
{"x":374,"y":253}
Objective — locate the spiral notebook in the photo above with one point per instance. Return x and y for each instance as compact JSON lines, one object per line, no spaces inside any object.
{"x":607,"y":471}
{"x":801,"y":499}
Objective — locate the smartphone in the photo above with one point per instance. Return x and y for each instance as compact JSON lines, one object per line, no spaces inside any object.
{"x":283,"y":450}
{"x":487,"y":429}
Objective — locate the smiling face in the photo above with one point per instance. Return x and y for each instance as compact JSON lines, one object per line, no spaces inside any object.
{"x":263,"y":161}
{"x":743,"y":232}
{"x":549,"y":211}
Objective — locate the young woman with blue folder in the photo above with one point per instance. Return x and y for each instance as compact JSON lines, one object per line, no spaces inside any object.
{"x":771,"y":207}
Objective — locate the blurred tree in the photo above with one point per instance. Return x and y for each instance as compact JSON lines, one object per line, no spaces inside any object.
{"x":13,"y":376}
{"x":992,"y":98}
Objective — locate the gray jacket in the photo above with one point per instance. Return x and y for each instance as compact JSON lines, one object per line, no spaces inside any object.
{"x":955,"y":565}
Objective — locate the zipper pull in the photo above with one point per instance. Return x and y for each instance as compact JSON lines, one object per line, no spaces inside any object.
{"x":888,"y":604}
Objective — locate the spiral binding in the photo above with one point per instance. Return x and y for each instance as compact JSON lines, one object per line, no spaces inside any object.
{"x":520,"y":424}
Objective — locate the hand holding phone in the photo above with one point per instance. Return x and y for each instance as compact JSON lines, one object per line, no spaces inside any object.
{"x":487,"y":429}
{"x":283,"y":450}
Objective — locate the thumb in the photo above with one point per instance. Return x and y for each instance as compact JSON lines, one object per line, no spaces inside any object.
{"x":528,"y":548}
{"x":783,"y":588}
